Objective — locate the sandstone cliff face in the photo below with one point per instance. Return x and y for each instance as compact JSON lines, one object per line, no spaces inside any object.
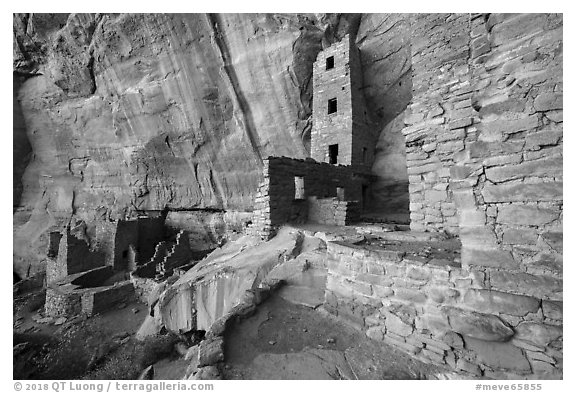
{"x":116,"y":113}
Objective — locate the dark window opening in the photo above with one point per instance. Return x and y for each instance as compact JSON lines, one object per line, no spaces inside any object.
{"x":333,"y":154}
{"x":298,"y":187}
{"x":364,"y":155}
{"x":364,"y":196}
{"x":125,"y":254}
{"x":332,"y":105}
{"x":329,"y":63}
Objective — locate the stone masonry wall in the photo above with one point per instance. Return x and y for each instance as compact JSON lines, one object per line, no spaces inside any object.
{"x":331,"y":211}
{"x":114,"y":239}
{"x":444,"y":314}
{"x":151,"y":230}
{"x":440,"y":112}
{"x":334,"y":128}
{"x":104,"y":236}
{"x":143,"y":287}
{"x":126,"y":233}
{"x":62,"y":304}
{"x":484,"y":148}
{"x":98,"y":300}
{"x":167,"y":256}
{"x":347,"y":127}
{"x":74,"y":256}
{"x":53,"y":244}
{"x":275,"y":202}
{"x":508,"y":185}
{"x":477,"y":119}
{"x":178,"y":255}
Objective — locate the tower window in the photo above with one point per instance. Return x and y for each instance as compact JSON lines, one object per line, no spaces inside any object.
{"x":329,"y":63}
{"x":332,"y":105}
{"x":299,"y":187}
{"x":364,"y":155}
{"x":333,"y":154}
{"x":340,"y":193}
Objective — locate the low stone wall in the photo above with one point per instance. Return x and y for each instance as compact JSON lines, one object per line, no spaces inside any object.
{"x":441,"y":313}
{"x":98,"y":300}
{"x":62,"y":304}
{"x":276,"y":202}
{"x":331,"y":211}
{"x":93,"y":278}
{"x":80,"y":294}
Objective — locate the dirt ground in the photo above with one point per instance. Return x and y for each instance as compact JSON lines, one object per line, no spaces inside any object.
{"x":77,"y":347}
{"x":287,"y":341}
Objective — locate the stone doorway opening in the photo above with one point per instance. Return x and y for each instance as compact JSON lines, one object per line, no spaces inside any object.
{"x":333,"y":154}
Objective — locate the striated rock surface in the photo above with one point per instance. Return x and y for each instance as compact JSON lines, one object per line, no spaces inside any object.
{"x":117,"y":113}
{"x":384,"y":44}
{"x":218,"y":283}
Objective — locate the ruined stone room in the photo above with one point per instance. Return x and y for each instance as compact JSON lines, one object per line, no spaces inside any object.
{"x":288,"y":196}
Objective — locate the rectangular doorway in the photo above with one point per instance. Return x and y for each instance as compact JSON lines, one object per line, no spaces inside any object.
{"x":333,"y":154}
{"x":299,"y":187}
{"x":364,"y":197}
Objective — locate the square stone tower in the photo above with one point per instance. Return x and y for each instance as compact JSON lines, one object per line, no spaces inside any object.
{"x":340,"y":133}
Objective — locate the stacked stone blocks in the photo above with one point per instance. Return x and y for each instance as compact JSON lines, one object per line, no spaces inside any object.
{"x":74,"y":255}
{"x":348,"y":127}
{"x":332,"y":211}
{"x":484,"y":154}
{"x":444,"y":314}
{"x":275,"y":204}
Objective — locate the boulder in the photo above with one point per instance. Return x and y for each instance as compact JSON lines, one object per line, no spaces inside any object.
{"x":211,"y":352}
{"x":192,"y":357}
{"x":206,"y":373}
